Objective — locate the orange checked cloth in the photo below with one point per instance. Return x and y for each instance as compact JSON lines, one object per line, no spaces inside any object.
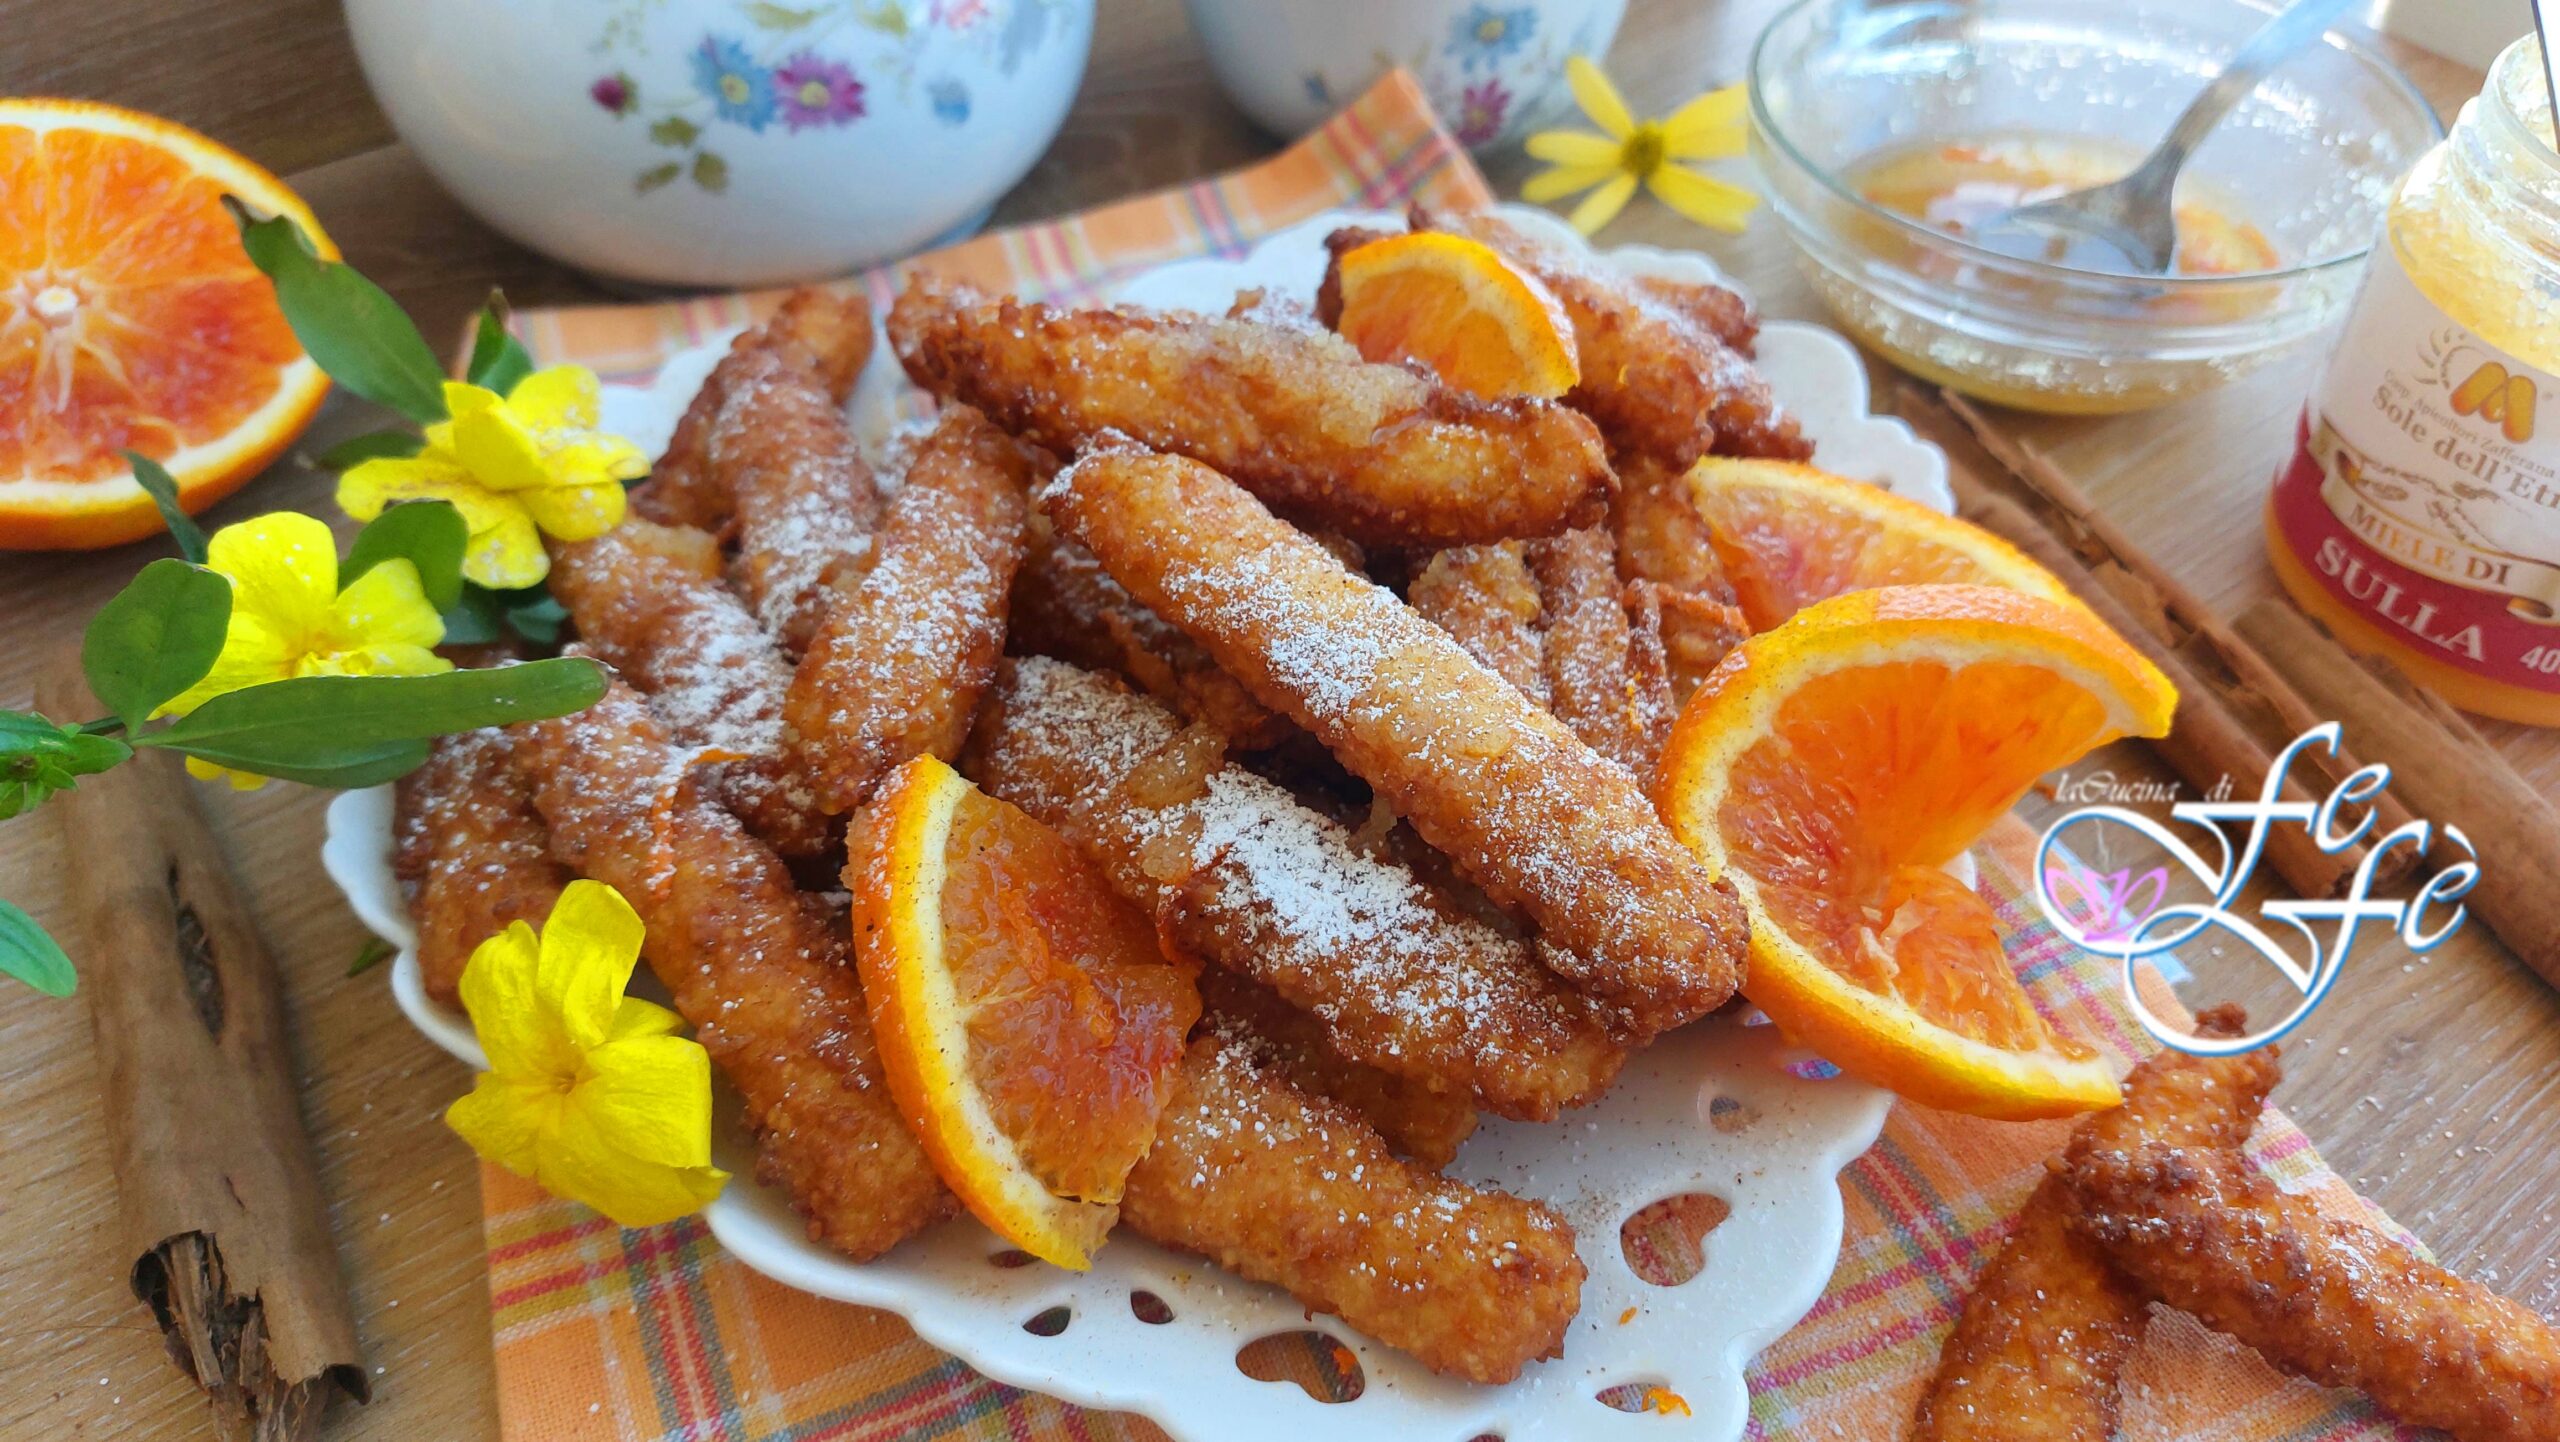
{"x":658,"y":1336}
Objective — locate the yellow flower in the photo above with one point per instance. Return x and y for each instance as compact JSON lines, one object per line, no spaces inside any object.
{"x":1630,"y":152}
{"x":518,"y":468}
{"x":588,"y":1091}
{"x":288,"y":618}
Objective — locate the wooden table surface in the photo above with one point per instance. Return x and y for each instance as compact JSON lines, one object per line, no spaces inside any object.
{"x":2434,"y":1085}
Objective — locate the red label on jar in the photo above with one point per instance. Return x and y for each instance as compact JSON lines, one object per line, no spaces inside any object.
{"x":2424,"y":487}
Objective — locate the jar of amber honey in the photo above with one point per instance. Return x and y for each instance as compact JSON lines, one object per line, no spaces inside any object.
{"x":2419,"y":515}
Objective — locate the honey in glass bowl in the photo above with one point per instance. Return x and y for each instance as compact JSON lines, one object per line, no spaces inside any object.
{"x":2419,"y":515}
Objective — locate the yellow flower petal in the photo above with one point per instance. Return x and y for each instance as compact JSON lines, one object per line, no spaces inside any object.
{"x":367,"y":489}
{"x":518,"y":1031}
{"x":508,"y":1121}
{"x":1579,"y":149}
{"x":1599,"y":98}
{"x":252,"y":654}
{"x":585,"y":1164}
{"x":594,"y":458}
{"x":240,"y":780}
{"x":575,"y":513}
{"x":508,"y":555}
{"x":385,"y":606}
{"x":590,"y":943}
{"x":499,"y":450}
{"x":1710,"y":202}
{"x":561,"y":397}
{"x":1562,"y":181}
{"x":283,"y":569}
{"x":638,"y":1018}
{"x":1707,"y":127}
{"x":1602,"y":205}
{"x":651,"y":1097}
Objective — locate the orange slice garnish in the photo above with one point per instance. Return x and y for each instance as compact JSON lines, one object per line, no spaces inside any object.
{"x":1831,"y":767}
{"x":1458,"y":307}
{"x":131,"y":319}
{"x":1789,"y":535}
{"x":1028,"y":1022}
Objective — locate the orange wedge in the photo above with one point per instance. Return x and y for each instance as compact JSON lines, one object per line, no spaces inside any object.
{"x":1457,"y":306}
{"x":1789,"y":535}
{"x":1831,"y":767}
{"x":1028,"y":1022}
{"x":131,"y":319}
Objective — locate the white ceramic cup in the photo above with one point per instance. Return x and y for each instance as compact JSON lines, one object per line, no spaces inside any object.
{"x":1494,"y":69}
{"x":725,"y":142}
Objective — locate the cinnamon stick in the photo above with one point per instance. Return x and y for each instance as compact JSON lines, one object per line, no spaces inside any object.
{"x":2235,"y":709}
{"x":218,"y":1197}
{"x":2448,"y":771}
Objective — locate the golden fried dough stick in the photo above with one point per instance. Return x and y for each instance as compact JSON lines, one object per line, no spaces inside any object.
{"x":1666,"y":367}
{"x":1487,"y":601}
{"x":1236,"y":871}
{"x":760,"y":969}
{"x":2341,"y":1304}
{"x":806,"y":499}
{"x":2042,"y":1340}
{"x":715,"y":679}
{"x":1539,"y":820}
{"x":1385,"y":455}
{"x":1279,"y":1186}
{"x":824,"y":335}
{"x":895,"y":669}
{"x":1065,"y":605}
{"x":1666,"y":543}
{"x":1423,"y":1125}
{"x":470,"y":851}
{"x":1604,"y":675}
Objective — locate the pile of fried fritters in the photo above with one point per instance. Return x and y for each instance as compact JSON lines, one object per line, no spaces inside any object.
{"x":1350,"y":680}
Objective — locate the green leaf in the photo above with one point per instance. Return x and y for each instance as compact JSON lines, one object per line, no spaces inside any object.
{"x":354,"y":451}
{"x":430,"y":534}
{"x":162,"y":487}
{"x":373,"y":953}
{"x":710,"y":171}
{"x":655,"y":176}
{"x":155,"y":638}
{"x":780,"y":17}
{"x":538,"y":620}
{"x":498,"y":359}
{"x":355,"y":332}
{"x":475,"y":620}
{"x":338,"y":767}
{"x":320,"y":722}
{"x":888,"y":17}
{"x":39,"y":758}
{"x":31,"y":956}
{"x":675,"y":130}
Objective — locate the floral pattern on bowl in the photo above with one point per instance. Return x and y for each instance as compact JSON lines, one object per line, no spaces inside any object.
{"x":1494,"y":69}
{"x":784,"y":65}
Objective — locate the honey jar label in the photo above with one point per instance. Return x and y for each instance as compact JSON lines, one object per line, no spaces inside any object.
{"x":2424,"y":487}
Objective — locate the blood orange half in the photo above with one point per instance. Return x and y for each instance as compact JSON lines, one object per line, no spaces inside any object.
{"x":131,"y":319}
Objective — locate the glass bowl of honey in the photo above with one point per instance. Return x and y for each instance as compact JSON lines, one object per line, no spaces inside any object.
{"x":1886,"y":131}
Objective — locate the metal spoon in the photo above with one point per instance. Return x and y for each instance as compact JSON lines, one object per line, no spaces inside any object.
{"x":2127,"y":226}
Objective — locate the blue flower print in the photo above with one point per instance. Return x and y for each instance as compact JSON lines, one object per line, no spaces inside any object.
{"x":950,"y":101}
{"x":1023,"y":31}
{"x":1484,"y":35}
{"x":1317,"y":90}
{"x":741,"y":91}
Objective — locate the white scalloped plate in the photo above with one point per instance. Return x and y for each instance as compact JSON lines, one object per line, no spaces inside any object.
{"x":1775,"y":1161}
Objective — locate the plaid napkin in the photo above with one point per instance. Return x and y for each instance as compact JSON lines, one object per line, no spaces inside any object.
{"x":603,"y":1332}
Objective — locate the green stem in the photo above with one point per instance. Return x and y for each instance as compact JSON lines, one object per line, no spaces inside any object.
{"x":107,"y":726}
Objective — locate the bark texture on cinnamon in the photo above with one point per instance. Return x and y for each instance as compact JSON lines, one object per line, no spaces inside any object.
{"x":217,"y":1192}
{"x":2450,"y":774}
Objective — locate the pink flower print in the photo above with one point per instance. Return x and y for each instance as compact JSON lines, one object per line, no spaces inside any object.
{"x":815,"y":91}
{"x":1481,"y":109}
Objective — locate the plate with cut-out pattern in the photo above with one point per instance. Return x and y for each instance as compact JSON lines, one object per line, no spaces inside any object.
{"x":1722,"y":1110}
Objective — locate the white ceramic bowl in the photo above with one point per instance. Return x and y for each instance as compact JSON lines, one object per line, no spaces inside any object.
{"x":725,"y":142}
{"x":1494,"y":69}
